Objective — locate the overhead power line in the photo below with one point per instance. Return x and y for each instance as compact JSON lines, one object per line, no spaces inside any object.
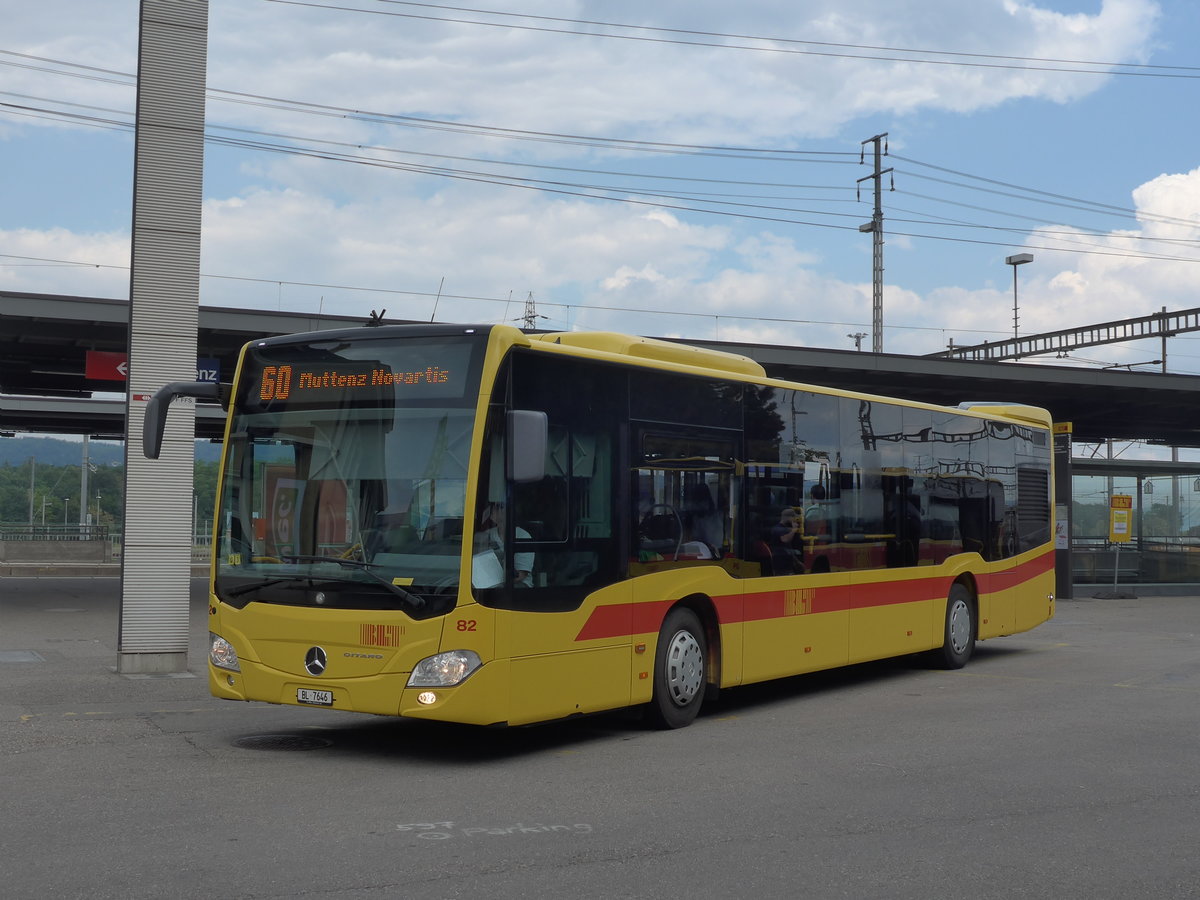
{"x":495,"y":131}
{"x":451,"y":126}
{"x":708,"y":202}
{"x":762,"y":154}
{"x":827,"y":156}
{"x":658,"y":199}
{"x":1051,"y":198}
{"x":647,"y":34}
{"x":359,"y":146}
{"x":1073,"y":235}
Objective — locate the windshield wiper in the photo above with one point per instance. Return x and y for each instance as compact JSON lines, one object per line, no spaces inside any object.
{"x":256,"y":585}
{"x":417,"y":602}
{"x":340,"y":560}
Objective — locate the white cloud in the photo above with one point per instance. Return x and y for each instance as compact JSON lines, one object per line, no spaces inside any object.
{"x":38,"y":261}
{"x":482,"y":243}
{"x":596,"y":85}
{"x":654,"y":87}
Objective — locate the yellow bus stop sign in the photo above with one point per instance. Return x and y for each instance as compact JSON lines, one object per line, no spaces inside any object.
{"x":1120,"y":516}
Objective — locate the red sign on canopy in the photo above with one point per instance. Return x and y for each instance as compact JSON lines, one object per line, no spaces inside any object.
{"x":102,"y":366}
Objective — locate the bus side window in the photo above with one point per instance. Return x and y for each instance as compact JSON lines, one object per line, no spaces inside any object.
{"x":683,"y":486}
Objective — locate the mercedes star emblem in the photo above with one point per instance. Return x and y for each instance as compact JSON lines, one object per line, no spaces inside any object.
{"x":315,"y":660}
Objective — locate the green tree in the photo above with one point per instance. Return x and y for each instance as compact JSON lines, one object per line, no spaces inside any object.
{"x":106,"y":493}
{"x":1089,"y":520}
{"x":1160,"y":520}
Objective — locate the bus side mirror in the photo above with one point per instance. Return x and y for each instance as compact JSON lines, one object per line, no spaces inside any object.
{"x":155,"y":421}
{"x":527,"y":431}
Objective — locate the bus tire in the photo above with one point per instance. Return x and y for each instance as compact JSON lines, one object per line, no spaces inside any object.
{"x":680,"y":670}
{"x":959,"y":634}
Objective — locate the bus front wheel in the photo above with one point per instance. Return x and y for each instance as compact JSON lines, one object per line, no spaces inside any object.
{"x":679,"y":670}
{"x":959,"y":636}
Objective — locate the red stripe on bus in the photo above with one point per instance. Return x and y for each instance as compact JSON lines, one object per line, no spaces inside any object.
{"x":892,"y":593}
{"x":1028,"y":571}
{"x":626,"y":619}
{"x":622,"y":619}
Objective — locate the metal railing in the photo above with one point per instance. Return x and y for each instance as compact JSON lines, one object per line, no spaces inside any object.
{"x":26,"y":532}
{"x":201,"y":549}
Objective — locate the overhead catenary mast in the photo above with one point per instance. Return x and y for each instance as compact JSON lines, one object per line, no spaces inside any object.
{"x":531,"y":314}
{"x":875,"y":227}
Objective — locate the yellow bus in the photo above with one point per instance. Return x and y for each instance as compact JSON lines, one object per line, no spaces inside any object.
{"x":479,"y":525}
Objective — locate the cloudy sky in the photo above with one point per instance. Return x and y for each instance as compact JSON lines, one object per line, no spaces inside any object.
{"x":664,"y":168}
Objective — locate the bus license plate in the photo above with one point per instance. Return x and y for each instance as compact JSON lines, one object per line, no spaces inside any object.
{"x":316,"y":698}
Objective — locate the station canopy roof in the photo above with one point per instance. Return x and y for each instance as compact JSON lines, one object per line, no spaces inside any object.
{"x":45,"y":342}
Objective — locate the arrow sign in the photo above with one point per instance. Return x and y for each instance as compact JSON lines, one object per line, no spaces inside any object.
{"x":102,"y":366}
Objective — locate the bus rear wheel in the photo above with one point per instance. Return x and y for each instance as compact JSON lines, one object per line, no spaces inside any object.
{"x":959,"y":636}
{"x":680,"y":670}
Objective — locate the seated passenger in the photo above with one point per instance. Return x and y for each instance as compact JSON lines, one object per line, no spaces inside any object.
{"x":785,"y":545}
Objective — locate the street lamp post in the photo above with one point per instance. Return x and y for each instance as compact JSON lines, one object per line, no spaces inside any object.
{"x":32,"y":476}
{"x":1017,"y":259}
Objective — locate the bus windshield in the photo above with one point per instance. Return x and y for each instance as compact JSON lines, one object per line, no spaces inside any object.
{"x":346,"y":472}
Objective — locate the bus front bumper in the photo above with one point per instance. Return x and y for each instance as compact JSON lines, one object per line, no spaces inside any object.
{"x":481,"y":699}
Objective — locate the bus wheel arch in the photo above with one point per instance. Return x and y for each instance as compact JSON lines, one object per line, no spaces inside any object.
{"x":683,"y":663}
{"x":704,"y":607}
{"x":961,"y":625}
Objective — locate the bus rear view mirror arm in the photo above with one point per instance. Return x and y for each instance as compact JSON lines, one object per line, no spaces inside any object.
{"x":155,"y":421}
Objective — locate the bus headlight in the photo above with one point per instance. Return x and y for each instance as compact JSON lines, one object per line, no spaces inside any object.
{"x":445,"y":669}
{"x":221,"y":653}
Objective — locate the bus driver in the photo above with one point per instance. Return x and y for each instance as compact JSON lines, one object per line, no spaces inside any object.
{"x":491,"y":537}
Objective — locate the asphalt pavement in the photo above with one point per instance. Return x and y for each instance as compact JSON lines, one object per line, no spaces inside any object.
{"x":1060,"y":763}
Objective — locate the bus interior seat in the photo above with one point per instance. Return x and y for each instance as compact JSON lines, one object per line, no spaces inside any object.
{"x":660,"y":531}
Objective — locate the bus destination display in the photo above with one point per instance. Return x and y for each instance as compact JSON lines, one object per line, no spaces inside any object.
{"x":309,"y":377}
{"x":288,"y":382}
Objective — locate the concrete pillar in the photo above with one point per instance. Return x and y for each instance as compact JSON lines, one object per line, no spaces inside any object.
{"x":164,"y":310}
